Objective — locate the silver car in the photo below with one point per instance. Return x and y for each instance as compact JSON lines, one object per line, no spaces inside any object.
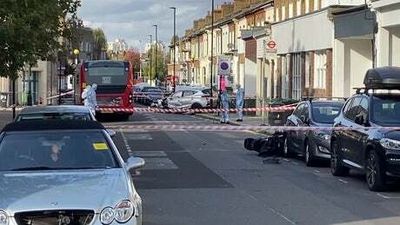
{"x":65,"y":173}
{"x":193,"y":99}
{"x":63,"y":112}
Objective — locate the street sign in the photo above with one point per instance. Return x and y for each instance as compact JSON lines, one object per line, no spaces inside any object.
{"x":224,"y":66}
{"x":270,"y":46}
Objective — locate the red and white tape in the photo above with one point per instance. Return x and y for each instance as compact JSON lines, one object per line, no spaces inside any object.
{"x":205,"y":110}
{"x":235,"y":128}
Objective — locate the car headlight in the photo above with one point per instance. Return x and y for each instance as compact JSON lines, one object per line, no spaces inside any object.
{"x":107,"y":215}
{"x":324,"y":136}
{"x":124,"y":211}
{"x":3,"y":218}
{"x":390,"y":143}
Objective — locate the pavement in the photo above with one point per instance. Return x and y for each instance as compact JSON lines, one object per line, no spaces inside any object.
{"x":206,"y":177}
{"x":247,"y":120}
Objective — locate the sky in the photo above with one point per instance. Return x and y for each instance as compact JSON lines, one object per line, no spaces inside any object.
{"x":133,"y":20}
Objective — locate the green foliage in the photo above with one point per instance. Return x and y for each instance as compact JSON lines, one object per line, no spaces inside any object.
{"x":31,"y":30}
{"x":100,"y":42}
{"x":161,"y":69}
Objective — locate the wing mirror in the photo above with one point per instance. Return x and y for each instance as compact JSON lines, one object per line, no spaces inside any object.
{"x":134,"y":163}
{"x":112,"y":133}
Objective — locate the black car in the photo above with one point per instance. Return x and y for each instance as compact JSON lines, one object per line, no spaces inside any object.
{"x":314,"y":143}
{"x":151,"y":95}
{"x":365,"y":137}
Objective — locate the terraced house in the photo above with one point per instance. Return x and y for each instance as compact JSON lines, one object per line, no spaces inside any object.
{"x":323,"y":47}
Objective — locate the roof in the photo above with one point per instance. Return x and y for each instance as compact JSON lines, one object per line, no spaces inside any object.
{"x":53,"y":125}
{"x":55,"y":109}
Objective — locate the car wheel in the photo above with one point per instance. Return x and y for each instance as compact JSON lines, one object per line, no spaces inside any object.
{"x":375,"y":174}
{"x":196,"y":106}
{"x":287,"y":153}
{"x":337,"y":167}
{"x":308,"y":155}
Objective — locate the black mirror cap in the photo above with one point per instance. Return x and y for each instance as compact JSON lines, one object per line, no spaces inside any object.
{"x":383,"y":78}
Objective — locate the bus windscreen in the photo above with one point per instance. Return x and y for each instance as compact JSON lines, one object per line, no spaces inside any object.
{"x":107,"y":73}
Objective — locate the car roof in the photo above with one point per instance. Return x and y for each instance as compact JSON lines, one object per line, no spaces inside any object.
{"x":53,"y":125}
{"x":55,"y":109}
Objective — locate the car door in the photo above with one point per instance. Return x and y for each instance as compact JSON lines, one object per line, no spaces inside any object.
{"x":347,"y":134}
{"x":303,"y":121}
{"x":187,"y":98}
{"x":293,"y":121}
{"x":357,"y":140}
{"x":174,"y":100}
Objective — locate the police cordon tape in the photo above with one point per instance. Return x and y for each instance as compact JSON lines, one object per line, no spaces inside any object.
{"x":203,"y":110}
{"x":210,"y":128}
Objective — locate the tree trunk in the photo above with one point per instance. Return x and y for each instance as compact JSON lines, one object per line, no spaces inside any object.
{"x":13,"y":97}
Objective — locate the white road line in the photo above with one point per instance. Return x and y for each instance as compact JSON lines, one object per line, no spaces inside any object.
{"x":128,"y":148}
{"x":343,"y":181}
{"x":387,"y":197}
{"x":276,"y":212}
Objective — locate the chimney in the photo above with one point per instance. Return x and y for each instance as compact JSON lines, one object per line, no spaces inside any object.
{"x":227,"y":9}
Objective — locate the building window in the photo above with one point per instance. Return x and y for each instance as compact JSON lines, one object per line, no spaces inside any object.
{"x":277,"y":16}
{"x":283,"y":12}
{"x":285,"y":76}
{"x":30,"y":86}
{"x":297,"y":68}
{"x":291,"y":8}
{"x":320,"y":70}
{"x":307,"y":72}
{"x":307,"y":6}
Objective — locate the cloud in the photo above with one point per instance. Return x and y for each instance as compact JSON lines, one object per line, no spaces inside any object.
{"x":133,"y":20}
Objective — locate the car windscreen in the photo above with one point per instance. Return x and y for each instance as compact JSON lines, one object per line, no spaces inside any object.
{"x":385,"y":109}
{"x":325,"y":112}
{"x":54,"y":116}
{"x":53,"y":150}
{"x":152,"y":90}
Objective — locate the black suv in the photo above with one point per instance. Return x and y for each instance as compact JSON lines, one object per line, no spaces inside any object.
{"x":315,"y":143}
{"x":365,"y":135}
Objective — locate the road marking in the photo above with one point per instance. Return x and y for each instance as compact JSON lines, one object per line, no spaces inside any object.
{"x":343,"y":181}
{"x":387,"y":197}
{"x":128,"y":148}
{"x":317,"y":171}
{"x":276,"y":212}
{"x":150,"y":154}
{"x":139,"y":136}
{"x":159,"y":164}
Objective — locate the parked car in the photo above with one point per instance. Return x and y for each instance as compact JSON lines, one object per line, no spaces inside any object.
{"x":150,"y":95}
{"x":61,"y":112}
{"x":44,"y":182}
{"x":193,"y":99}
{"x":312,"y":144}
{"x":365,"y":140}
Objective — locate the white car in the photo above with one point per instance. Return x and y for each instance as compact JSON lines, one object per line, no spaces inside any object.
{"x":193,"y":99}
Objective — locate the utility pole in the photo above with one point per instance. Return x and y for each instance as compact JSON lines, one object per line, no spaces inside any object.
{"x":212,"y":47}
{"x":156,"y":75}
{"x":174,"y":45}
{"x":151,"y":56}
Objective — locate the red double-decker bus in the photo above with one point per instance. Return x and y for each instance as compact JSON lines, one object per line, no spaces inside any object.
{"x":114,"y":81}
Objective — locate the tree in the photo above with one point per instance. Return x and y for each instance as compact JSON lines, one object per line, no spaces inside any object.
{"x":100,"y":43}
{"x":133,"y":56}
{"x":31,"y":30}
{"x":153,"y":72}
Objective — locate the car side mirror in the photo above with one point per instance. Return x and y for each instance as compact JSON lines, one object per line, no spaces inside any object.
{"x":112,"y":133}
{"x":134,"y":163}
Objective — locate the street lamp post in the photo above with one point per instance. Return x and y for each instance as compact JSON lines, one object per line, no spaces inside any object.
{"x":174,"y":45}
{"x":77,"y":71}
{"x":156,"y":75}
{"x":212,"y":47}
{"x":150,"y":57}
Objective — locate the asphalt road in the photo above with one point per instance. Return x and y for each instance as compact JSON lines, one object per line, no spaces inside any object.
{"x":197,"y":178}
{"x":208,"y":178}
